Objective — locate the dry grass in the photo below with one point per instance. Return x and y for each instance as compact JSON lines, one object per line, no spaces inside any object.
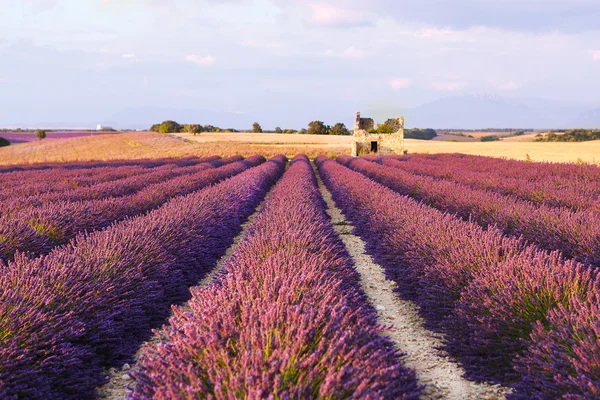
{"x":267,"y":138}
{"x":537,"y":151}
{"x":138,"y":145}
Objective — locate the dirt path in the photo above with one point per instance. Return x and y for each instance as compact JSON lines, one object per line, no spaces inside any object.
{"x":442,"y":378}
{"x":117,"y":387}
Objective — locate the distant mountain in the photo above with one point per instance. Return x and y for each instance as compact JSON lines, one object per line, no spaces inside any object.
{"x":588,"y":120}
{"x":144,"y":117}
{"x":484,"y":111}
{"x":457,"y":112}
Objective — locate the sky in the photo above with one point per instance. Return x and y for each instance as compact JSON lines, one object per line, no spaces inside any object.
{"x":288,"y":61}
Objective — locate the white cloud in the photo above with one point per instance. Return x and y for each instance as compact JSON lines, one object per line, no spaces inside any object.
{"x":206,"y":60}
{"x":510,"y":85}
{"x":400,"y":83}
{"x":129,"y":55}
{"x":449,"y":86}
{"x":595,"y":54}
{"x":330,"y":15}
{"x":353,"y":52}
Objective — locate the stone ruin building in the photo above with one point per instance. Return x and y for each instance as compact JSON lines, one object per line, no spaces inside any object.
{"x":366,"y":143}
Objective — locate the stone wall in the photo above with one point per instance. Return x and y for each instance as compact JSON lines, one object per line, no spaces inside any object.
{"x":364,"y":124}
{"x":386,"y":143}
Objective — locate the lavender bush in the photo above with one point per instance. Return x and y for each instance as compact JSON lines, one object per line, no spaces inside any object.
{"x":59,"y":180}
{"x":38,"y":230}
{"x":575,"y":234}
{"x":286,"y":320}
{"x":487,"y":292}
{"x":84,"y":307}
{"x":546,"y":190}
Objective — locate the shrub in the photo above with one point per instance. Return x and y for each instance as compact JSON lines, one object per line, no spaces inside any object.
{"x":278,"y":130}
{"x":4,"y":142}
{"x":491,"y":138}
{"x":385,"y":129}
{"x":40,"y":134}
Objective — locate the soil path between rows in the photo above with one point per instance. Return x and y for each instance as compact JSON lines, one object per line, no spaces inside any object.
{"x":117,"y":388}
{"x":441,"y":377}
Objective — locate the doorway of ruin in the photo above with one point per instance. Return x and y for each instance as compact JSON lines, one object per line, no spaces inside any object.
{"x":373,"y":147}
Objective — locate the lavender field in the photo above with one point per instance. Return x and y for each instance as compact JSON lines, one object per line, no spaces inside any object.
{"x":228,"y":278}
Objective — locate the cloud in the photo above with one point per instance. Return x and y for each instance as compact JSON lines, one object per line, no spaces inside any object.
{"x":449,"y":86}
{"x":206,"y":60}
{"x":328,"y":52}
{"x":353,"y":52}
{"x":400,"y":83}
{"x":511,"y":15}
{"x":129,"y":55}
{"x":595,"y":54}
{"x":42,"y":4}
{"x":326,"y":14}
{"x":510,"y":85}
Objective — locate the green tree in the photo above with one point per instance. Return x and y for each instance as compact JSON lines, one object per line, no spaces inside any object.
{"x":394,"y":124}
{"x":302,"y":131}
{"x":278,"y":130}
{"x":256,"y":128}
{"x":155,"y":128}
{"x":385,"y":129}
{"x":317,"y":128}
{"x":192,"y":128}
{"x":339,"y":129}
{"x":40,"y":134}
{"x":170,"y":127}
{"x":4,"y":142}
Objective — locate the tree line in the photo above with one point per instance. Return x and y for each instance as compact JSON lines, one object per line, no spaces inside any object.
{"x":575,"y":135}
{"x":314,"y":128}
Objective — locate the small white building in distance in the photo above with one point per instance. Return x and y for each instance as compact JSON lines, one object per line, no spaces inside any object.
{"x":103,"y":128}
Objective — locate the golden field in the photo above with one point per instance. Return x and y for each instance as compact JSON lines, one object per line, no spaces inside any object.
{"x":538,"y":151}
{"x":137,"y":145}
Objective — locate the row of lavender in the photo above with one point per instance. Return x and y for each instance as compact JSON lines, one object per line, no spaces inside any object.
{"x":560,"y":173}
{"x":38,"y":229}
{"x":573,"y":193}
{"x":575,"y":234}
{"x":67,"y":316}
{"x":511,"y":312}
{"x":113,"y":183}
{"x":76,"y":165}
{"x":58,"y":180}
{"x":287,"y":318}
